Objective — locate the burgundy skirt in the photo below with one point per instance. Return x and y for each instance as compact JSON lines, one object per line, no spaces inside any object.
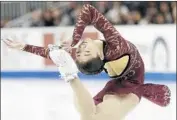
{"x":156,"y":93}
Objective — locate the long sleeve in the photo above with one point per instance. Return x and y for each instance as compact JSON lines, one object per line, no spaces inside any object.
{"x":90,"y":15}
{"x":41,"y":51}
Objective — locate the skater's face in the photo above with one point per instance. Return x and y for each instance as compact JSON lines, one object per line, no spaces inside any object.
{"x":87,"y":50}
{"x":89,"y":57}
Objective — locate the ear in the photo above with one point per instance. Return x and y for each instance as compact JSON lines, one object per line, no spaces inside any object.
{"x":100,"y":51}
{"x":101,"y":55}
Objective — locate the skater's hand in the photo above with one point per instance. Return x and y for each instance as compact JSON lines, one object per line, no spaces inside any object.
{"x":66,"y":45}
{"x":12,"y":42}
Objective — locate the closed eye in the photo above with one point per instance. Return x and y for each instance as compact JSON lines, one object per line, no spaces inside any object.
{"x":87,"y":51}
{"x":78,"y":51}
{"x":86,"y":54}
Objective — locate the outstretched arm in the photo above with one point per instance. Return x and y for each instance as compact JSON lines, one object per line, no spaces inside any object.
{"x":90,"y":15}
{"x":37,"y":50}
{"x":41,"y":51}
{"x":19,"y":45}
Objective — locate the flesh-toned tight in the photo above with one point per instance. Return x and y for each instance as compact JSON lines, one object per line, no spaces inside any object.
{"x":113,"y":107}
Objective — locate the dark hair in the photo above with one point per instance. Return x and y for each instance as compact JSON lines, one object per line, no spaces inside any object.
{"x":93,"y":66}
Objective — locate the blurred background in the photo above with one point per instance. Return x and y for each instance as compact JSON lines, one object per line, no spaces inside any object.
{"x":31,"y":88}
{"x":37,"y":14}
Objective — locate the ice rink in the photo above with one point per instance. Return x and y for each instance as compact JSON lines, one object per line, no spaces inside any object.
{"x":38,"y":99}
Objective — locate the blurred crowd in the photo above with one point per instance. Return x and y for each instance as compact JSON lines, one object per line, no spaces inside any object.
{"x":116,"y":12}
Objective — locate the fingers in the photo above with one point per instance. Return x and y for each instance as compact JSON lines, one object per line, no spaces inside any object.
{"x":65,"y":45}
{"x":10,"y":43}
{"x":7,"y":42}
